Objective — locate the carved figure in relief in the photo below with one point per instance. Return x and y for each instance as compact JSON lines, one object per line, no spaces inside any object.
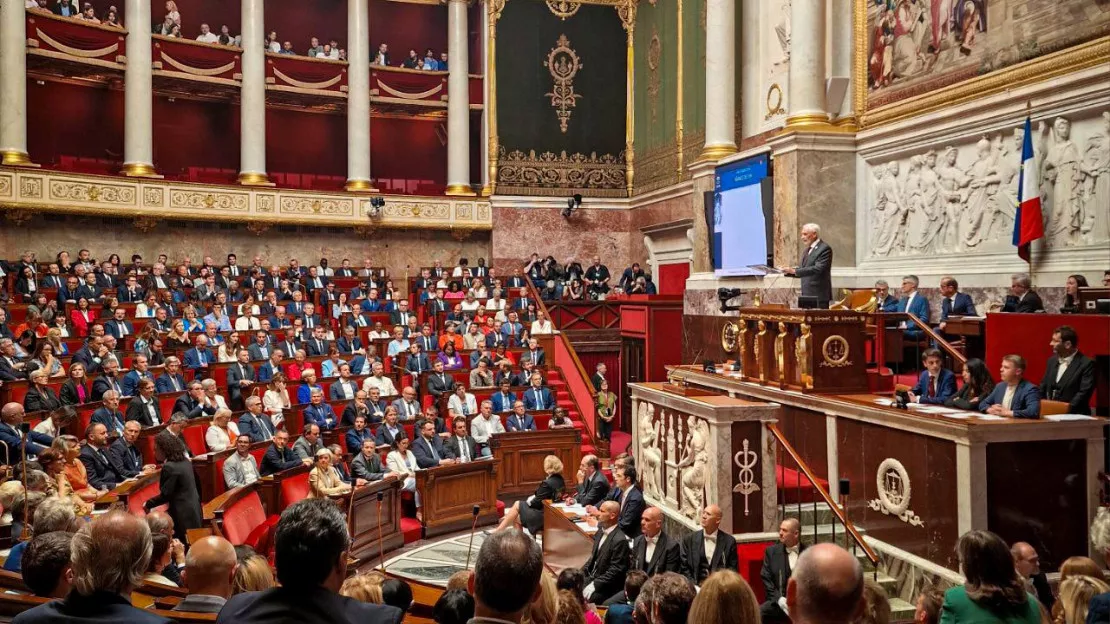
{"x":932,"y":206}
{"x":952,"y":180}
{"x":888,"y":211}
{"x":742,"y":345}
{"x":695,"y":460}
{"x":1007,"y":168}
{"x":780,"y":359}
{"x":917,"y":216}
{"x":649,"y":449}
{"x":1096,"y":183}
{"x":802,"y":349}
{"x":981,"y":197}
{"x":1061,"y":176}
{"x":758,"y":349}
{"x":782,"y":31}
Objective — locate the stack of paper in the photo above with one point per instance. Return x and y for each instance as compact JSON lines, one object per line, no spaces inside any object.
{"x":1066,"y":417}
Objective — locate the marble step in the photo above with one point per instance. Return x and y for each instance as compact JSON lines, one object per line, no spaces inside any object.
{"x":901,"y":611}
{"x":805,"y":513}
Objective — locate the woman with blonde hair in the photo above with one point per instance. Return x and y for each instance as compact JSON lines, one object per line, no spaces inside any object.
{"x":725,"y":597}
{"x":69,"y":447}
{"x":364,"y":587}
{"x":1075,"y":596}
{"x":218,"y":437}
{"x":276,"y":400}
{"x":178,"y":338}
{"x":253,"y":574}
{"x":544,"y":608}
{"x":54,"y":337}
{"x":529,"y":512}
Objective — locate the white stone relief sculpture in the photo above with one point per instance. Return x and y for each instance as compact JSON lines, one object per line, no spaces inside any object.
{"x":695,"y":461}
{"x":651,"y":457}
{"x":964,"y":198}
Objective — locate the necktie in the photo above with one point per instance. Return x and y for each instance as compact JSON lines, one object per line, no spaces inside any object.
{"x":176,"y":385}
{"x":432,"y":447}
{"x":463,"y":450}
{"x":932,"y":386}
{"x":263,"y":428}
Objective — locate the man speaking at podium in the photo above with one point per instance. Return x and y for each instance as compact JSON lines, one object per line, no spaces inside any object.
{"x":814,"y":269}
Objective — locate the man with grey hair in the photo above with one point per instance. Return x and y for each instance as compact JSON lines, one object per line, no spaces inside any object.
{"x":826,"y":587}
{"x":10,"y":368}
{"x":915,"y":303}
{"x":109,"y":558}
{"x":174,"y":429}
{"x":814,"y":269}
{"x":52,"y":514}
{"x":886,"y":302}
{"x":308,"y":444}
{"x":192,"y":404}
{"x":1022,"y":298}
{"x":16,"y":442}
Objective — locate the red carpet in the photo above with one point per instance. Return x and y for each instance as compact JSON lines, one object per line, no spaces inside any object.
{"x":619,"y":442}
{"x":794,"y":487}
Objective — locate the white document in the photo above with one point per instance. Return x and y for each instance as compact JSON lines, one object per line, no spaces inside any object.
{"x":1066,"y":417}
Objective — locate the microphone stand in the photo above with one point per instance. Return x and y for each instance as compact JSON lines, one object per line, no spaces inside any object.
{"x":473,"y":527}
{"x":381,"y":552}
{"x":25,"y":532}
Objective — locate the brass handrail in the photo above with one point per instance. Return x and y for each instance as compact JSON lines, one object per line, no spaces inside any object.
{"x":910,"y":317}
{"x":541,"y":306}
{"x":840,"y":514}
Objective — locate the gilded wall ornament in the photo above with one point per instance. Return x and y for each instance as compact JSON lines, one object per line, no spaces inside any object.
{"x":774,"y":101}
{"x":655,"y":81}
{"x":563,"y":64}
{"x":746,"y":461}
{"x":835,"y":352}
{"x":563,"y":8}
{"x":892,"y":482}
{"x":145,"y":225}
{"x":531,"y":173}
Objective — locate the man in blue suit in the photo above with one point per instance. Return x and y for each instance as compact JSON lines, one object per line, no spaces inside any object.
{"x":254,"y":422}
{"x":417,"y":361}
{"x":199,"y":358}
{"x":11,"y":417}
{"x":886,"y":302}
{"x":1014,"y":396}
{"x":428,"y":448}
{"x":270,"y":368}
{"x":109,"y":415}
{"x":914,"y":303}
{"x":172,"y":380}
{"x":936,"y":383}
{"x":320,"y":413}
{"x":139,"y":371}
{"x":119,"y":326}
{"x":519,"y":420}
{"x":536,"y":397}
{"x":954,"y":303}
{"x":503,"y":400}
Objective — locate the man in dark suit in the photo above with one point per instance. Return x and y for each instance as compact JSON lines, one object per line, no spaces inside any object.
{"x":401,"y":315}
{"x":289,"y":345}
{"x":885,"y":302}
{"x":709,"y":549}
{"x":102,"y":475}
{"x":1022,"y":298}
{"x":534,"y":353}
{"x":144,"y":408}
{"x":428,"y":448}
{"x":240,"y":379}
{"x":440,"y":383}
{"x":460,"y":444}
{"x":1028,"y":565}
{"x":270,"y":367}
{"x":12,"y":369}
{"x":1013,"y":396}
{"x":608,"y":562}
{"x":954,"y":302}
{"x":108,"y":414}
{"x":1069,"y":376}
{"x":125,"y":457}
{"x":261,"y":348}
{"x":192,"y":404}
{"x":779,"y":561}
{"x":653,"y":551}
{"x":116,"y":542}
{"x":592,"y":486}
{"x":311,"y":548}
{"x":630,"y":498}
{"x":936,"y":383}
{"x":815,"y":267}
{"x":11,"y":417}
{"x":367,"y":464}
{"x":172,"y":380}
{"x":130,"y":292}
{"x":280,"y":457}
{"x":107,"y":380}
{"x":119,"y":326}
{"x":417,"y":361}
{"x":520,"y":419}
{"x":254,"y":422}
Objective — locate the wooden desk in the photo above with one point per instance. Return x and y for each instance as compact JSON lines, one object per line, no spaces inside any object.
{"x":522,"y":453}
{"x":450,"y":493}
{"x":565,"y":545}
{"x":363,"y":521}
{"x":1026,"y":480}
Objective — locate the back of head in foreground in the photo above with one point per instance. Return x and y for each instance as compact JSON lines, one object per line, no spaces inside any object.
{"x":826,"y":586}
{"x":506,"y":575}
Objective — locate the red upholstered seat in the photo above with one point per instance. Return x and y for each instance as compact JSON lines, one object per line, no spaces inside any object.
{"x":294,"y":489}
{"x":500,"y":509}
{"x":242,"y":517}
{"x":411,"y":529}
{"x":194,"y":438}
{"x":261,"y":538}
{"x":140,"y":496}
{"x":750,"y":556}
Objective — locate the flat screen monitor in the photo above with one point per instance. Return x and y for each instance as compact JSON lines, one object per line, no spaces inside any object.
{"x":741,"y":216}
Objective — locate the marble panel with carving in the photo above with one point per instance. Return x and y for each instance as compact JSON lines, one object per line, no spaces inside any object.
{"x":675,"y":467}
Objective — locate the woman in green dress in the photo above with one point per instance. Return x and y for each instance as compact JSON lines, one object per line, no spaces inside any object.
{"x":993,"y":592}
{"x":606,"y":411}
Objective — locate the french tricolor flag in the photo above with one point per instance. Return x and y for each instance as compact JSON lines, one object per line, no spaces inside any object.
{"x":1028,"y":223}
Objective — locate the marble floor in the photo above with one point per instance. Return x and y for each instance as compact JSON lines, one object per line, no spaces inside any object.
{"x":435,"y":562}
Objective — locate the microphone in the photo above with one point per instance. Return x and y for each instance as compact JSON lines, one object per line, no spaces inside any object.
{"x":25,"y":533}
{"x":473,"y":526}
{"x":381,"y":552}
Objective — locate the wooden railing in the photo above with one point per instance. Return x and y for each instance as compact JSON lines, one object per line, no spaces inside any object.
{"x":814,"y":483}
{"x":575,"y":375}
{"x":889,"y":341}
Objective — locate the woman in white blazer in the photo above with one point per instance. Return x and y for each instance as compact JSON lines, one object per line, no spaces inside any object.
{"x":401,"y":461}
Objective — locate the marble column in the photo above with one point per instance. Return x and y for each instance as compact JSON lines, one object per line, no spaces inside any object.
{"x":358,"y":96}
{"x":807,"y":65}
{"x":843,"y":49}
{"x":485,"y":108}
{"x":138,"y":94}
{"x":720,"y":93}
{"x":13,"y":83}
{"x":252,"y":108}
{"x":458,"y":101}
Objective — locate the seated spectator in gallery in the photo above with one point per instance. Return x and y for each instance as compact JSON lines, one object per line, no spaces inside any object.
{"x":432,"y":64}
{"x":597,"y":278}
{"x":628,"y":276}
{"x":206,"y":35}
{"x":381,"y":57}
{"x":936,"y":383}
{"x":1069,"y":375}
{"x":412,"y":60}
{"x":1014,"y":396}
{"x":978,"y":384}
{"x":1022,"y":297}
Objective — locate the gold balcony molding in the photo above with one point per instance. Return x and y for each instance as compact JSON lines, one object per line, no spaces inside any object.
{"x":23,"y":191}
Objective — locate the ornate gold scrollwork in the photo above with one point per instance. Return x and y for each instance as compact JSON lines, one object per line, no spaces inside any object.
{"x":258,"y":228}
{"x":531,"y":173}
{"x":835,"y":351}
{"x":145,"y":224}
{"x":655,"y":82}
{"x":563,"y":64}
{"x":774,"y":101}
{"x":729,"y":335}
{"x":563,"y":8}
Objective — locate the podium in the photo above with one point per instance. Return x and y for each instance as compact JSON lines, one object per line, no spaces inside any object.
{"x":820,"y":351}
{"x":449,"y":494}
{"x":363,"y":520}
{"x":521,"y":454}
